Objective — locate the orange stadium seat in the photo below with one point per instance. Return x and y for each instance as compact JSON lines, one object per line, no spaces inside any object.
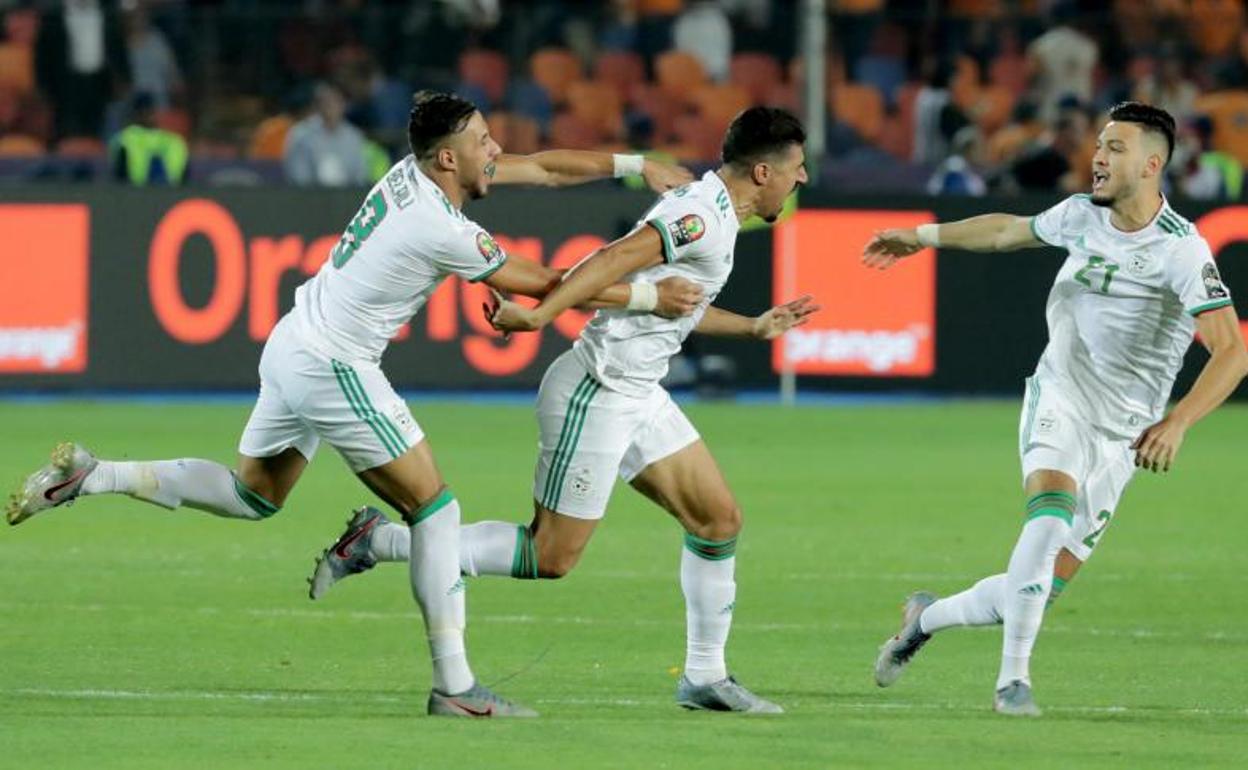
{"x":21,"y":25}
{"x":175,"y":120}
{"x":569,"y":132}
{"x":597,"y":104}
{"x":80,"y":147}
{"x":1229,"y":112}
{"x":859,"y":107}
{"x":269,"y":139}
{"x":678,"y":73}
{"x":485,"y":69}
{"x":20,"y":146}
{"x":518,"y":134}
{"x":554,"y":69}
{"x":719,"y":104}
{"x":661,"y":107}
{"x":17,"y":68}
{"x":697,"y":134}
{"x":623,"y":70}
{"x":757,"y":73}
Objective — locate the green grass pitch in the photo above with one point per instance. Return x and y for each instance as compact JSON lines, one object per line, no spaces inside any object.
{"x":132,"y":637}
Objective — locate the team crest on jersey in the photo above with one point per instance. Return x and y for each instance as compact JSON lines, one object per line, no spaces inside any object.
{"x":1138,"y":264}
{"x":488,"y":247}
{"x":1213,"y":282}
{"x":687,"y":229}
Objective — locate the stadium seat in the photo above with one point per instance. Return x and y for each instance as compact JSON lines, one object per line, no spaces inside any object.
{"x":487,"y":70}
{"x":699,"y":136}
{"x":1229,"y":112}
{"x":719,"y":104}
{"x":555,"y":69}
{"x":622,"y":70}
{"x":516,"y":133}
{"x":20,"y":146}
{"x":569,"y":132}
{"x":786,"y":95}
{"x":859,"y":107}
{"x":757,"y":73}
{"x":661,"y":108}
{"x":678,"y":74}
{"x":176,"y":120}
{"x":269,"y":139}
{"x":21,"y":25}
{"x":85,"y":147}
{"x":17,"y":69}
{"x":597,"y":104}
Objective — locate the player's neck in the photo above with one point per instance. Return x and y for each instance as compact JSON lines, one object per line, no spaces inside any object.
{"x":446,"y":182}
{"x":1136,"y":212}
{"x":741,"y":191}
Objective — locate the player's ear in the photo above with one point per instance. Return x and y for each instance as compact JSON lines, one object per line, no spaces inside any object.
{"x":446,"y":158}
{"x":760,"y":173}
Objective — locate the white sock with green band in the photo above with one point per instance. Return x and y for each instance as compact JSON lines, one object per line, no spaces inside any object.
{"x":485,"y":548}
{"x":980,"y":605}
{"x":1029,"y":579}
{"x":439,"y":589}
{"x":707,"y":570}
{"x":200,"y":484}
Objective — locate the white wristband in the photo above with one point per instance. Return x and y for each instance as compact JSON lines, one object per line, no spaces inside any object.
{"x":642,"y":296}
{"x":628,"y":165}
{"x":928,"y":235}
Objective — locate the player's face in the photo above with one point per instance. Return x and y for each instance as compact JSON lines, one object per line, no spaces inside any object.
{"x":1121,"y":162}
{"x":787,"y":172}
{"x":475,"y":152}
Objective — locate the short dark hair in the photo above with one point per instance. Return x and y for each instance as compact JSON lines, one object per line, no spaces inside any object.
{"x":435,"y":115}
{"x":1150,"y":118}
{"x":759,"y":133}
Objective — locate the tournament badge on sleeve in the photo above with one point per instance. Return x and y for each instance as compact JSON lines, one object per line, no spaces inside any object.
{"x":687,"y":229}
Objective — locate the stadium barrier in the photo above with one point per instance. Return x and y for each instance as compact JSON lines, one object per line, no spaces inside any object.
{"x":143,"y":289}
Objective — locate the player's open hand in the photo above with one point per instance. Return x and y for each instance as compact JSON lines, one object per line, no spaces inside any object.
{"x":888,"y":246}
{"x":662,"y":177}
{"x":678,"y":297}
{"x":781,"y":318}
{"x":1158,"y":445}
{"x":507,"y":316}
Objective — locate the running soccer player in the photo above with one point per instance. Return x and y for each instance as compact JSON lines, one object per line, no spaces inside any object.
{"x":602,"y":412}
{"x":1138,"y":281}
{"x":320,"y":375}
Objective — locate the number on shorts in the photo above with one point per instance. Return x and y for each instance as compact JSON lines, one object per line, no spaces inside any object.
{"x":1103,"y":517}
{"x":361,"y":226}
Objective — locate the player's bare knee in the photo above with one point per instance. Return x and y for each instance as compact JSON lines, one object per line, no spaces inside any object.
{"x":722,"y":523}
{"x":552,"y":565}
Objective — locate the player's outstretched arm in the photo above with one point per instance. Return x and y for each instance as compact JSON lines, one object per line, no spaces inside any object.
{"x":1227,"y":366}
{"x":558,"y":168}
{"x":671,"y":297}
{"x":638,"y":250}
{"x":989,"y":232}
{"x":718,"y":322}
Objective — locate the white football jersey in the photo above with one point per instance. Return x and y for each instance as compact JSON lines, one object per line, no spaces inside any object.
{"x":403,"y":241}
{"x":1121,"y":311}
{"x":628,"y":351}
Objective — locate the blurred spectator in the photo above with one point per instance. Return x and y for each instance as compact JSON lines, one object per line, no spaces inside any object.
{"x":1052,"y":165}
{"x":621,"y":29}
{"x":1022,"y":131}
{"x":1202,"y":172}
{"x":703,"y":30}
{"x":80,"y":65}
{"x":1063,"y":59}
{"x":143,"y":154}
{"x":323,"y":148}
{"x":153,"y":67}
{"x":930,"y":102}
{"x":956,"y":174}
{"x":1168,"y":88}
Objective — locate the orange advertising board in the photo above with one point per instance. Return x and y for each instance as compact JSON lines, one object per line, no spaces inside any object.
{"x":43,"y":288}
{"x":873,"y":323}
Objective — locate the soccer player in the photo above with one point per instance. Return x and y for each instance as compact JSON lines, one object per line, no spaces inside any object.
{"x":1137,"y":282}
{"x":320,"y":375}
{"x":602,"y":412}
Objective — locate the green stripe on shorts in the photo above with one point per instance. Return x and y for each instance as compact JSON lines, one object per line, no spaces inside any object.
{"x":357,"y":397}
{"x":573,"y":423}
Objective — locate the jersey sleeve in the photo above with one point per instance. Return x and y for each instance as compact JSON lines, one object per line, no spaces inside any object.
{"x":1053,"y":225}
{"x":683,"y":225}
{"x":1195,"y":279}
{"x":470,"y":252}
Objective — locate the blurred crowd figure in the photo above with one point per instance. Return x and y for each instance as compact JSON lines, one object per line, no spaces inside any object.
{"x":965,"y":97}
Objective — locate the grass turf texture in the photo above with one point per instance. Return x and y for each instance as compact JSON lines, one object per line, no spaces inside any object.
{"x":139,"y":638}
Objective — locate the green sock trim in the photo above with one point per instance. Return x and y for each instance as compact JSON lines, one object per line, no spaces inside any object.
{"x":1059,"y":585}
{"x":1059,"y":504}
{"x":1060,"y":513}
{"x":711,"y":550}
{"x":263,"y":508}
{"x":443,"y":499}
{"x":524,"y":561}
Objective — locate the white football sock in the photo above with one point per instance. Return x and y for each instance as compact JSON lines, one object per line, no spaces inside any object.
{"x":980,"y":605}
{"x":439,"y":590}
{"x":391,"y":542}
{"x":1029,"y":578}
{"x":200,"y":484}
{"x":706,"y":578}
{"x":485,"y":548}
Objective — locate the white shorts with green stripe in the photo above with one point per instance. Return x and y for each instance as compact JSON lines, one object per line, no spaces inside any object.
{"x":1054,"y":434}
{"x":591,"y":434}
{"x":306,"y":397}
